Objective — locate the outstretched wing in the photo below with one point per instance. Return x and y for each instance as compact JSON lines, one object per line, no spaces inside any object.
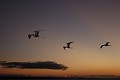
{"x":36,"y":32}
{"x":107,"y":43}
{"x":101,"y":46}
{"x":68,"y":44}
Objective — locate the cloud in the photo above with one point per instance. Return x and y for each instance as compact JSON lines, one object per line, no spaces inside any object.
{"x":33,"y":65}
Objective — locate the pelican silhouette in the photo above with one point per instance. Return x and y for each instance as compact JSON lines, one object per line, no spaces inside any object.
{"x":107,"y":44}
{"x":68,"y":45}
{"x":36,"y":34}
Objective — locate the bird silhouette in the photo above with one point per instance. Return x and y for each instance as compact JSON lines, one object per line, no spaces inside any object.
{"x":36,"y":34}
{"x":107,"y":44}
{"x":68,"y":45}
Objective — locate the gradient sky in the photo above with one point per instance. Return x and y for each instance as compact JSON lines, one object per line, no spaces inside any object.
{"x":89,"y":23}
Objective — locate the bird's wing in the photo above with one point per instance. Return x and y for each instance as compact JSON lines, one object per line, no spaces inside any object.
{"x":36,"y":32}
{"x":107,"y":43}
{"x":101,"y":46}
{"x":68,"y":44}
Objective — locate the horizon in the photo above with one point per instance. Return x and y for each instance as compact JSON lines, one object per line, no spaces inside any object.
{"x":68,"y":76}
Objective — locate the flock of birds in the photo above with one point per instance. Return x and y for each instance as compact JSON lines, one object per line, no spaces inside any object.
{"x":36,"y":34}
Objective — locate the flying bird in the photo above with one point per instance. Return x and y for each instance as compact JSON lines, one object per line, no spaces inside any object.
{"x":36,"y":34}
{"x":107,"y":44}
{"x":68,"y":45}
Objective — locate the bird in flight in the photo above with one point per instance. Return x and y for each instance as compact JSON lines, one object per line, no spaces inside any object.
{"x":107,"y":44}
{"x":68,"y":45}
{"x":36,"y":34}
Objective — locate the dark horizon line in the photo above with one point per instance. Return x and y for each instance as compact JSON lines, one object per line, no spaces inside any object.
{"x":12,"y":76}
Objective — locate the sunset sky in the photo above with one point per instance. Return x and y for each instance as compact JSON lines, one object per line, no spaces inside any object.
{"x":88,"y":23}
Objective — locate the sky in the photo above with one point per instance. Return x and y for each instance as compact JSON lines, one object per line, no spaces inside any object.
{"x":88,"y":23}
